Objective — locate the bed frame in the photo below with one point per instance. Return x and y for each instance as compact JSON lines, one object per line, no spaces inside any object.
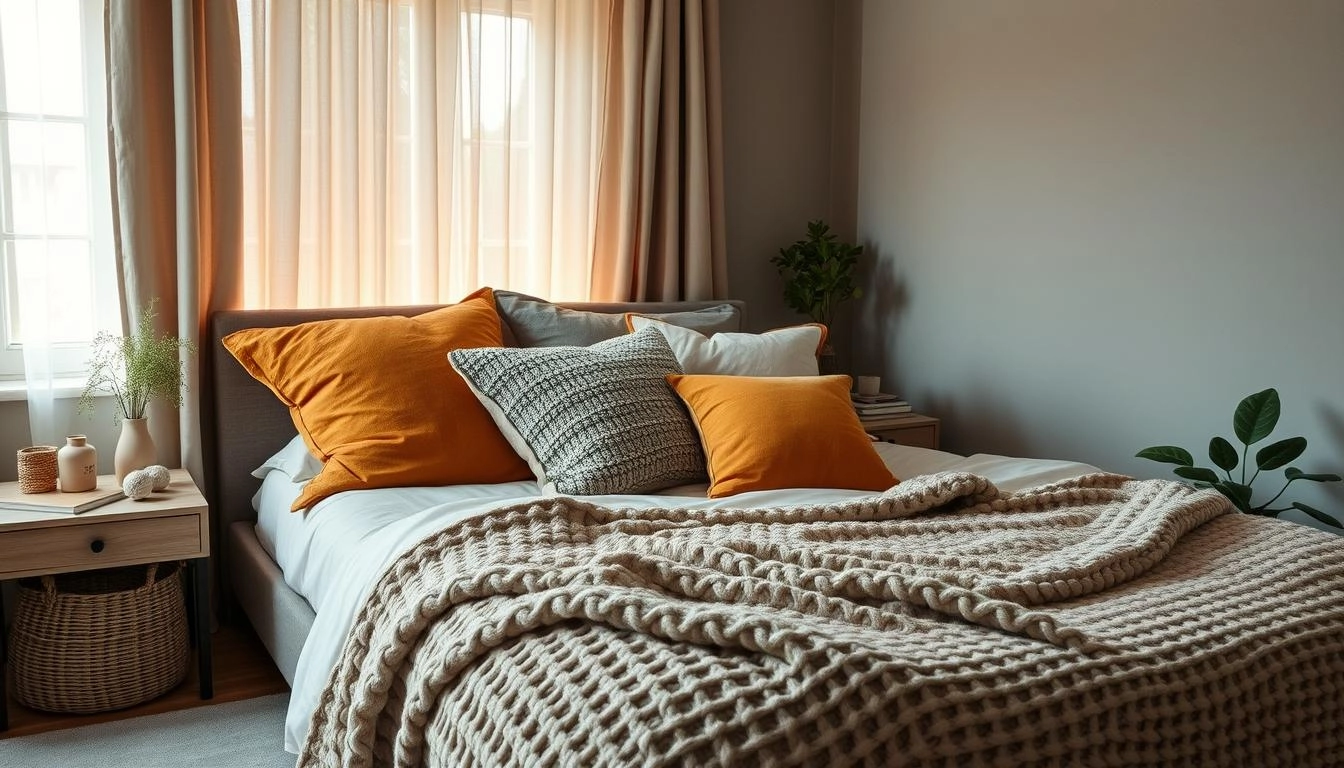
{"x":246,"y":424}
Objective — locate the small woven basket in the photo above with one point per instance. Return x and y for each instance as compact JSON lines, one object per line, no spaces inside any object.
{"x":37,"y":469}
{"x":99,"y":640}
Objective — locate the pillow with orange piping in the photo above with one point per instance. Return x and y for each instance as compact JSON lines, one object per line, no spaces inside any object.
{"x":785,"y":432}
{"x":788,"y":351}
{"x":376,"y":400}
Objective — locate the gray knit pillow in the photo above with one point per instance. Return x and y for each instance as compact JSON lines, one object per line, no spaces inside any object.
{"x":590,"y":420}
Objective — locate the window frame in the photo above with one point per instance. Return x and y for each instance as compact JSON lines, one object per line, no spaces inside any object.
{"x":69,"y":360}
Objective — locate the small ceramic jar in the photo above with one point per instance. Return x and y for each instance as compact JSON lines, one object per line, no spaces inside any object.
{"x":78,"y":465}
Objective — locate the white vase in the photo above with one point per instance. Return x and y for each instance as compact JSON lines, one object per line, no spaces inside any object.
{"x":135,"y":448}
{"x":77,"y":464}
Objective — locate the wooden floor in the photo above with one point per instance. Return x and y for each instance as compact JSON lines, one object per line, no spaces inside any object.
{"x":243,"y":670}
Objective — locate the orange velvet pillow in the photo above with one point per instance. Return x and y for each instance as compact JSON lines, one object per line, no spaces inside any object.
{"x":377,"y":401}
{"x":781,"y":432}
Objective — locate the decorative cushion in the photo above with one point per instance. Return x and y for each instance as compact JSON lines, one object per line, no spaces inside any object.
{"x":533,"y":322}
{"x":781,"y":352}
{"x":786,"y":432}
{"x":376,"y":400}
{"x":590,"y":420}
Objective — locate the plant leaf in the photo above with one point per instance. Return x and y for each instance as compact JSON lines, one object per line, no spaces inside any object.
{"x":1276,"y":455}
{"x":1293,"y":473}
{"x":1318,"y":514}
{"x":1256,"y":416}
{"x":1200,"y":474}
{"x":1167,"y":454}
{"x":1222,"y":454}
{"x":1239,"y":494}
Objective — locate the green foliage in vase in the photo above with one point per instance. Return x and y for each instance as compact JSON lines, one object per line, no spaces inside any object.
{"x":1255,"y":417}
{"x":818,"y":272}
{"x":136,"y":369}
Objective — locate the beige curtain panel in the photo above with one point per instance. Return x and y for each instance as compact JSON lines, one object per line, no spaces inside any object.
{"x":174,"y":139}
{"x":409,"y":152}
{"x":659,"y":229}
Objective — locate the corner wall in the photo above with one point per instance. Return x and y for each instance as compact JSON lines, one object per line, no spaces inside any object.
{"x":789,"y":67}
{"x":1101,"y":224}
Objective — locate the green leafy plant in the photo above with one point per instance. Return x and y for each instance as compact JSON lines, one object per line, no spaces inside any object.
{"x":1255,"y":418}
{"x":818,"y":272}
{"x":136,"y":369}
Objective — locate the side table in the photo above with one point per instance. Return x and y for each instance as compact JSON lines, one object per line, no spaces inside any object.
{"x":172,"y":524}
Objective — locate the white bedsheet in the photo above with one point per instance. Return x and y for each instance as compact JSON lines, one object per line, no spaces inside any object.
{"x":333,"y":554}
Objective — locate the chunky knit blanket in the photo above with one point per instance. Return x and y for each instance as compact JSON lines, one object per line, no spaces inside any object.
{"x":1101,"y":621}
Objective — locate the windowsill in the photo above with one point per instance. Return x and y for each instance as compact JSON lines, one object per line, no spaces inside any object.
{"x":64,"y":389}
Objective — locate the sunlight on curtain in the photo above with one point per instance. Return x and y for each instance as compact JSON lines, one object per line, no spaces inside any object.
{"x":412,"y":151}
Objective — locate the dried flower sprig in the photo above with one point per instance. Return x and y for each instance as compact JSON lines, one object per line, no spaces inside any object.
{"x":138,"y":368}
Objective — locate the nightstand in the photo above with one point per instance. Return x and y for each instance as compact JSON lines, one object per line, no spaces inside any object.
{"x":172,"y":524}
{"x":914,"y":430}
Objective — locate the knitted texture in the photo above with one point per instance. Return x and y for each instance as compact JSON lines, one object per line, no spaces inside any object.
{"x":590,"y":420}
{"x":1099,"y":621}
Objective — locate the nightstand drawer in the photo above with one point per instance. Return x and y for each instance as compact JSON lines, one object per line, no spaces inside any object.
{"x":915,"y":430}
{"x":918,"y":437}
{"x":100,"y":545}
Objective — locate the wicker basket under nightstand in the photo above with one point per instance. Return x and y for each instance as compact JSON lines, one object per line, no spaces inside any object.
{"x":94,"y":641}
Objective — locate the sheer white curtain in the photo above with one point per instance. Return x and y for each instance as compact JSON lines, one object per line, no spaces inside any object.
{"x":410,"y":151}
{"x":36,"y":311}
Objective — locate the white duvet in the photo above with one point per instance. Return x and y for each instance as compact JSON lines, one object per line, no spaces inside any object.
{"x":334,"y":553}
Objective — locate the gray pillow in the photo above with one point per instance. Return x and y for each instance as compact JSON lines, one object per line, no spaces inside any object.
{"x":533,"y":322}
{"x":590,"y":420}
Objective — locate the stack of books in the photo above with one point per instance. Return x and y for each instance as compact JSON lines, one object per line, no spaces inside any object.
{"x":880,"y":411}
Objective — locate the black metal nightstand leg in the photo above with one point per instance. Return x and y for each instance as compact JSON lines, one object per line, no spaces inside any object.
{"x":4,"y":665}
{"x":200,"y":587}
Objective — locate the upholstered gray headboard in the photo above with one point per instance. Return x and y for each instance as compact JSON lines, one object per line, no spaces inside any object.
{"x":246,"y":424}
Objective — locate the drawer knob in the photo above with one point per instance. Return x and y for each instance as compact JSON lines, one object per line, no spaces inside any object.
{"x":97,"y":545}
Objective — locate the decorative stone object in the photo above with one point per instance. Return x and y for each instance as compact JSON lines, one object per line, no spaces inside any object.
{"x":77,"y":464}
{"x":138,"y":484}
{"x":160,"y":475}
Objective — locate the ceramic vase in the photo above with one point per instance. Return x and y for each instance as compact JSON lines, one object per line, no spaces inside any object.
{"x":77,"y":463}
{"x":135,"y":448}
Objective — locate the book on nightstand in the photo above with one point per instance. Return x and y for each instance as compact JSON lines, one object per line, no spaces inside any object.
{"x":882,"y":410}
{"x":880,"y":397}
{"x":886,"y":422}
{"x":878,"y":407}
{"x":56,"y":501}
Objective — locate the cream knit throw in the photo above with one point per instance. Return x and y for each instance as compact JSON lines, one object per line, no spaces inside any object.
{"x":1101,"y":621}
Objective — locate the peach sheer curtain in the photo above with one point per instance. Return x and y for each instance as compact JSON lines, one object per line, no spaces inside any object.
{"x":412,"y":151}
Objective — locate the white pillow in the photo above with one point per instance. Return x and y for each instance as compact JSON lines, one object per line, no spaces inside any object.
{"x":294,"y":460}
{"x":782,"y":352}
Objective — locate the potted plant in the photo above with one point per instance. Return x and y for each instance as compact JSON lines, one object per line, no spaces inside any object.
{"x":818,"y":274}
{"x":134,"y":370}
{"x":1255,"y":417}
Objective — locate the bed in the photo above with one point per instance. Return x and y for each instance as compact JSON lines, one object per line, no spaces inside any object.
{"x":986,"y":610}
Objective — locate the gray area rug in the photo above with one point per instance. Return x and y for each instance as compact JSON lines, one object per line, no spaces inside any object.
{"x":240,"y":734}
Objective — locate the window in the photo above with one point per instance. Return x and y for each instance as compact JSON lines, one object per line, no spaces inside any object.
{"x":58,"y":270}
{"x":495,"y":91}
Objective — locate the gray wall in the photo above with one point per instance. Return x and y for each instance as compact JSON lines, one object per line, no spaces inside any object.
{"x":98,"y":426}
{"x":784,"y":78}
{"x":1102,"y":223}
